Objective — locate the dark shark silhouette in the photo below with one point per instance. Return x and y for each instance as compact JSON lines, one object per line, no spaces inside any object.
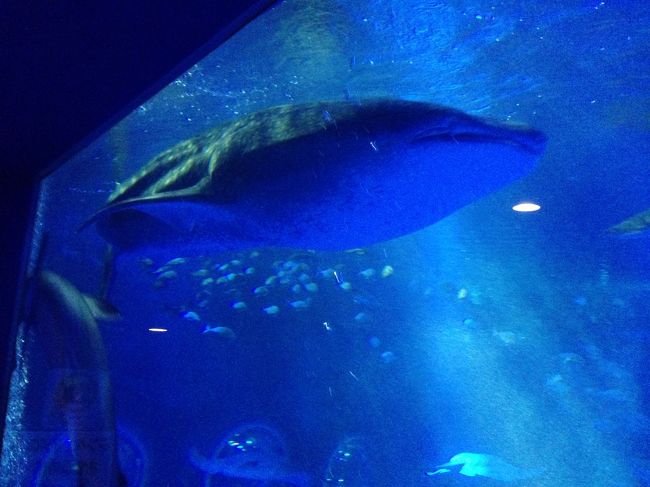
{"x":65,"y":323}
{"x":325,"y":176}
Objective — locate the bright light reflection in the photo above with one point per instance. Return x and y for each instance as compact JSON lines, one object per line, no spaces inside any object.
{"x":526,"y":207}
{"x":158,"y":330}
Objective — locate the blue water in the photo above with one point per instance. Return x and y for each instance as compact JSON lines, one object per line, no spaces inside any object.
{"x":523,"y":336}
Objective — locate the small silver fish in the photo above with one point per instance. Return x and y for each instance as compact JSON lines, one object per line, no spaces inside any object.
{"x":290,"y":265}
{"x":367,"y":273}
{"x":167,"y":275}
{"x":361,"y":317}
{"x":271,"y":310}
{"x":191,"y":316}
{"x":387,"y":271}
{"x":300,"y":304}
{"x":222,"y":331}
{"x":312,"y":287}
{"x":327,"y":273}
{"x":387,"y":357}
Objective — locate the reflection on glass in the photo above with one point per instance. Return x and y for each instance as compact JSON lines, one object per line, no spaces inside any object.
{"x":347,"y":464}
{"x":253,"y":452}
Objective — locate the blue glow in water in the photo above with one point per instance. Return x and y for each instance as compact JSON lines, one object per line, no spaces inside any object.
{"x":522,"y":336}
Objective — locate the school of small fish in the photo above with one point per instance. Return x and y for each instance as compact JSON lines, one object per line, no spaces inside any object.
{"x":291,"y":285}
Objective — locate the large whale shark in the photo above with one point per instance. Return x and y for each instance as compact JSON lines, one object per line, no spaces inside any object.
{"x":323,"y":175}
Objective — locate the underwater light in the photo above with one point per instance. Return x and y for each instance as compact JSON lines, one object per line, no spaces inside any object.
{"x":158,"y":330}
{"x":526,"y":207}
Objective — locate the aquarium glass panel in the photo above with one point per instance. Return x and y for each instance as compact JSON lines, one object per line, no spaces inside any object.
{"x":371,"y":243}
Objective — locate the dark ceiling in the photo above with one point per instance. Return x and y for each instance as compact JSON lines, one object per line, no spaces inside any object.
{"x":69,"y":68}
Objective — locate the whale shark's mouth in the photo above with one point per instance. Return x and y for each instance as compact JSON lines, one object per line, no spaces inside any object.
{"x":463,"y":131}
